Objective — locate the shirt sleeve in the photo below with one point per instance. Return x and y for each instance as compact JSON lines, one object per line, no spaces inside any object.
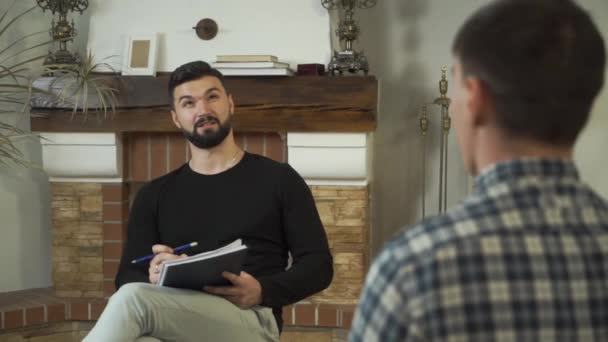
{"x":142,"y":233}
{"x":312,"y":267}
{"x":382,"y":312}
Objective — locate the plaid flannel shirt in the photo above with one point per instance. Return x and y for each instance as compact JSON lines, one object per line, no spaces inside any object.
{"x":523,"y":259}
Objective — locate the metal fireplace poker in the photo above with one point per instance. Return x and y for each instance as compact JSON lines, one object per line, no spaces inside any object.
{"x":444,"y":102}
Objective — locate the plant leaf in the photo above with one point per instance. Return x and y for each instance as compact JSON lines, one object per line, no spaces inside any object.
{"x":2,"y":30}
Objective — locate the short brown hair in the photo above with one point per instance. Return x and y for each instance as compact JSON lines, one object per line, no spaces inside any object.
{"x":542,"y":61}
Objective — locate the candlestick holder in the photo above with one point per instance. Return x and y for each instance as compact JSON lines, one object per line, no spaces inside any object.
{"x":62,"y":31}
{"x":348,"y":60}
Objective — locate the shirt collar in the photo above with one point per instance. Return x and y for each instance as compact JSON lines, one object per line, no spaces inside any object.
{"x":501,"y":173}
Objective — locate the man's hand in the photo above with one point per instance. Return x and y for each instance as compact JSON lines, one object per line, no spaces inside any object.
{"x":245,"y":292}
{"x":163,"y":253}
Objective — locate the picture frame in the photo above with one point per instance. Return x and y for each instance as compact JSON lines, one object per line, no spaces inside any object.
{"x":140,"y":55}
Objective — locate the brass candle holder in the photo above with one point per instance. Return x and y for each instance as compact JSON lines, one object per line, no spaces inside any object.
{"x":61,"y":30}
{"x":348,"y":60}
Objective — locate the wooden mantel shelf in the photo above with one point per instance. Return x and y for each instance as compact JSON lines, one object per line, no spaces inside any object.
{"x":263,"y":104}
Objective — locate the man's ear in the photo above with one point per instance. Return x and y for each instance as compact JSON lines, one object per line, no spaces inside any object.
{"x":479,"y":100}
{"x":174,"y":118}
{"x":230,"y":104}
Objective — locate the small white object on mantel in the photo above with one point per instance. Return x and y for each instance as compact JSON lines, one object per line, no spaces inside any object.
{"x":82,"y":157}
{"x":329,"y":158}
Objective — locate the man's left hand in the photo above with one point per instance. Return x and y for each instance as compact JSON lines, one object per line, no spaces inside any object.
{"x":245,"y":292}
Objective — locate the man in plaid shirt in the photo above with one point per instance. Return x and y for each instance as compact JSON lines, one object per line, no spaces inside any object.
{"x":525,"y":258}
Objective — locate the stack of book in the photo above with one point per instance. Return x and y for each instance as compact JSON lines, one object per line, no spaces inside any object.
{"x":251,"y":65}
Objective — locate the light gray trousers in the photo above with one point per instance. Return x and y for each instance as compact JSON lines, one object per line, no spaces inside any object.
{"x":145,"y":312}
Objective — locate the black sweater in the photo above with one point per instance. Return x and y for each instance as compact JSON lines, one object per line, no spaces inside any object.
{"x":265,"y":203}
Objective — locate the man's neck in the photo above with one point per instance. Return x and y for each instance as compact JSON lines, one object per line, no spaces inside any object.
{"x":509,"y":149}
{"x":216,"y":159}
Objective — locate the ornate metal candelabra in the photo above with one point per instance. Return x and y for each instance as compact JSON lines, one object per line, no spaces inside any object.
{"x":348,"y":30}
{"x":63,"y":31}
{"x":444,"y":102}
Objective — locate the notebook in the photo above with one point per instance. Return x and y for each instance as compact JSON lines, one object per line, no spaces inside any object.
{"x":204,"y":269}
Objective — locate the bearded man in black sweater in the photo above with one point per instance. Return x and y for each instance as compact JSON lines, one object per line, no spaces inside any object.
{"x":223,"y":193}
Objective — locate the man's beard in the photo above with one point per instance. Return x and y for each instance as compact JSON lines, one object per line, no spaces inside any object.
{"x":210,"y":137}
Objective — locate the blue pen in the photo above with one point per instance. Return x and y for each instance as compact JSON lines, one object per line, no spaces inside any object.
{"x":175,"y":250}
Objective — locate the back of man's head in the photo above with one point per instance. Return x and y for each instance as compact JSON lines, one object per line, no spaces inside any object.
{"x":542,"y":62}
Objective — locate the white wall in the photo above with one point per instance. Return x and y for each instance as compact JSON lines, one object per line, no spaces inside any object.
{"x":591,"y":152}
{"x":407,"y":41}
{"x":23,"y":198}
{"x":296,"y":31}
{"x":25,"y":225}
{"x":25,"y":247}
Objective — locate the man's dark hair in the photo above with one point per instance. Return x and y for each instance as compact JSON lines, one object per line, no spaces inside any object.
{"x":190,"y":72}
{"x":542,"y":62}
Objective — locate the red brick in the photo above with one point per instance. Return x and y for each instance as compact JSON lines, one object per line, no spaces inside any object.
{"x":114,"y":192}
{"x":108,"y":288}
{"x":287,"y":315}
{"x":112,"y":250}
{"x":97,"y":308}
{"x":139,"y":157}
{"x":177,"y":151}
{"x":34,"y":316}
{"x":13,"y":319}
{"x":114,"y":231}
{"x":275,"y":147}
{"x":126,"y":156}
{"x":347,"y":319}
{"x":115,"y":212}
{"x":328,"y":315}
{"x":158,"y":146}
{"x":110,"y":268}
{"x":80,"y":311}
{"x":55,"y":313}
{"x":305,"y":315}
{"x":239,"y":139}
{"x":255,"y":143}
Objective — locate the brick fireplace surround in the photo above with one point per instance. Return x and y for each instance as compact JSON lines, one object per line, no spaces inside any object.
{"x":89,"y":225}
{"x":89,"y":217}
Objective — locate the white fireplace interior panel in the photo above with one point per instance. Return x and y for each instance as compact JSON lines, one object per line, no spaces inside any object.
{"x":82,"y":156}
{"x":329,"y":158}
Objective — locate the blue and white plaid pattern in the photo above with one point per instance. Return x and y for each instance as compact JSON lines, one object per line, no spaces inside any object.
{"x":524,"y":259}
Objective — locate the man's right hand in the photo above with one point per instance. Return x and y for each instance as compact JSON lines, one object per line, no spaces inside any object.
{"x":162,"y":254}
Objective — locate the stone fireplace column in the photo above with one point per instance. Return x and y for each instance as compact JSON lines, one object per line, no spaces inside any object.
{"x":92,"y":175}
{"x":335,"y":166}
{"x":89,"y":210}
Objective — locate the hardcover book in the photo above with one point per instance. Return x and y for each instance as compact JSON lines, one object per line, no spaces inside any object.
{"x":255,"y":65}
{"x":256,"y":72}
{"x":311,"y":69}
{"x":246,"y":58}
